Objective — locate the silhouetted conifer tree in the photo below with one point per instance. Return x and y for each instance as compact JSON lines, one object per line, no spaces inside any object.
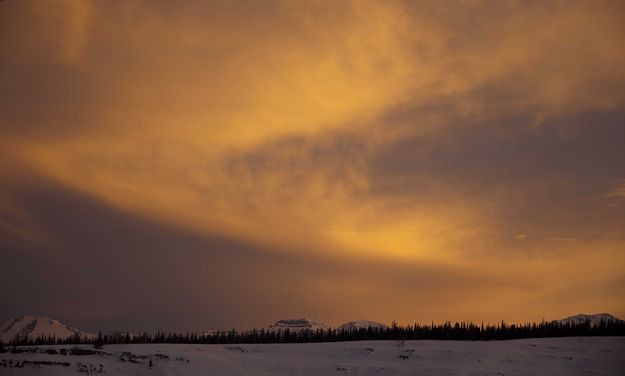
{"x":99,"y":342}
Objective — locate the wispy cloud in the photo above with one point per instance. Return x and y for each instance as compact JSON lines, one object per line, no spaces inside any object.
{"x":618,"y":191}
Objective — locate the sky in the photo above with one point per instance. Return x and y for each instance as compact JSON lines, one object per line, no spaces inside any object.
{"x":216,"y":164}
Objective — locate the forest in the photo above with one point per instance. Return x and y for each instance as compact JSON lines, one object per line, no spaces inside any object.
{"x":464,"y":331}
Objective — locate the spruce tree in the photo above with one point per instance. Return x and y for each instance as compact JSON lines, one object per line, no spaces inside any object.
{"x":99,"y":342}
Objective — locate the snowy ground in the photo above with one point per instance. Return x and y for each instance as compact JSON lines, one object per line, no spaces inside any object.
{"x":554,"y":356}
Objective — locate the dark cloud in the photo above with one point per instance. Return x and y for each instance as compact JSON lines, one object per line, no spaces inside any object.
{"x":104,"y":269}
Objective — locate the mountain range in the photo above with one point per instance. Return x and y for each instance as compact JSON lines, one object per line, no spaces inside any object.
{"x":35,"y":326}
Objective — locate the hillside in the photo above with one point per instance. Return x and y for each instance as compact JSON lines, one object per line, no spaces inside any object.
{"x":34,"y":326}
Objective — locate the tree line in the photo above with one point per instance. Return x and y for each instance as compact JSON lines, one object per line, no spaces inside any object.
{"x":466,"y":331}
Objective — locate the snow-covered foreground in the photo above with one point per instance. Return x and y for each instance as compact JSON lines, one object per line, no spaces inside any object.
{"x":555,"y":356}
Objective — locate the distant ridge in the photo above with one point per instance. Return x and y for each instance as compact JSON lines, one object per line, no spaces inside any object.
{"x":594,"y":319}
{"x":34,"y":326}
{"x":361,"y":324}
{"x":296,"y":325}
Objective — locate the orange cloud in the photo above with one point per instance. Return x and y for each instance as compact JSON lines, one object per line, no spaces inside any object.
{"x":207,"y":117}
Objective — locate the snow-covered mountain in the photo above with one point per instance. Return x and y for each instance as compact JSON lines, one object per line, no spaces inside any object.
{"x":296,"y":325}
{"x":593,"y":319}
{"x":360,"y":324}
{"x":34,"y":326}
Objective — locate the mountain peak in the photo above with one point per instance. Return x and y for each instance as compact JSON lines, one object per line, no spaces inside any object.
{"x":297,"y":325}
{"x":34,"y":326}
{"x":594,"y":319}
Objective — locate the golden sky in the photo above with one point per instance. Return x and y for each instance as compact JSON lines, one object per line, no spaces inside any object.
{"x":414,"y":160}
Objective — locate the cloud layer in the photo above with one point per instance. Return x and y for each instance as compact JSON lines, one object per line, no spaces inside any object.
{"x":474,"y":148}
